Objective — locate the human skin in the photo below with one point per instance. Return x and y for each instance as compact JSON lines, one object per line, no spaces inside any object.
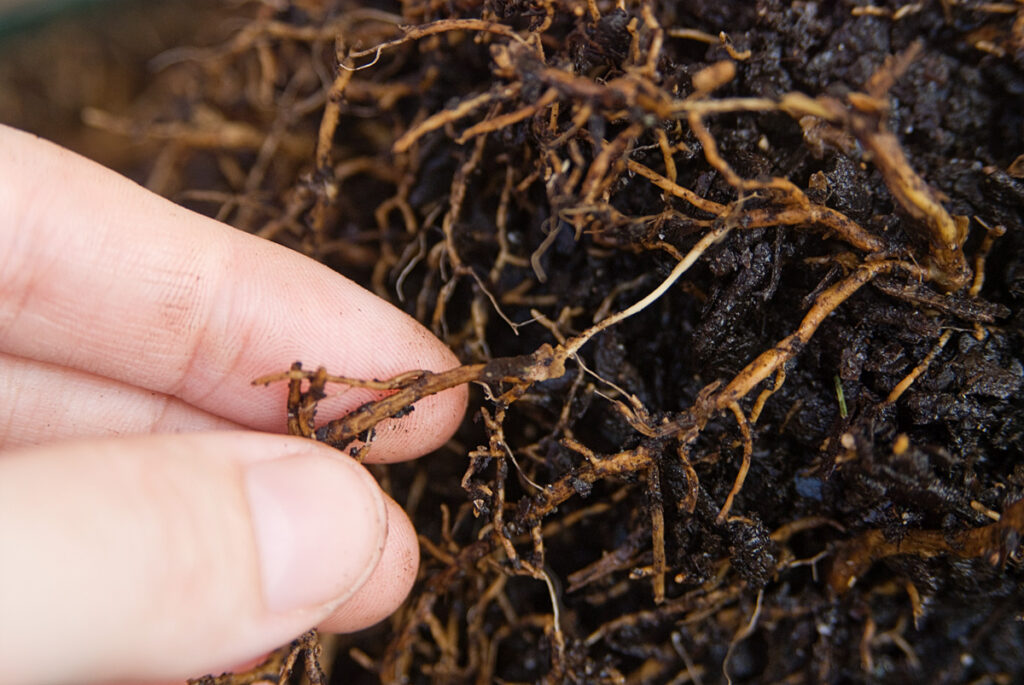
{"x":154,"y":522}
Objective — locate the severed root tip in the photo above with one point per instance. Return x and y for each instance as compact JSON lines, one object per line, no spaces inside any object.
{"x":946,"y":235}
{"x":405,"y":390}
{"x":947,"y":262}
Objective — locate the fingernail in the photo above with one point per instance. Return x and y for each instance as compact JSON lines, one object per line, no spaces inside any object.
{"x":320,"y":524}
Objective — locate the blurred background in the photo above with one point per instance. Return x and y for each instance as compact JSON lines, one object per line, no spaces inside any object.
{"x":60,"y":58}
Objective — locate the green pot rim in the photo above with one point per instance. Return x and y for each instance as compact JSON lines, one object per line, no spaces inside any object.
{"x":34,"y":13}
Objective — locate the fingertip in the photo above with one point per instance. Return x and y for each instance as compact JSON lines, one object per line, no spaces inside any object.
{"x":428,"y":423}
{"x":299,"y":505}
{"x":158,"y":557}
{"x":214,"y":307}
{"x":390,"y":582}
{"x":431,"y":424}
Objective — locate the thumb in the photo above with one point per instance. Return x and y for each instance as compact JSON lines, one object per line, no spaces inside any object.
{"x":163,"y":557}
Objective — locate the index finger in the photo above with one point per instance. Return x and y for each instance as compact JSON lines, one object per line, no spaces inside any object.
{"x":100,"y":275}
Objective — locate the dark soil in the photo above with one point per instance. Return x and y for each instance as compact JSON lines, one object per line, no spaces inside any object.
{"x":590,"y":527}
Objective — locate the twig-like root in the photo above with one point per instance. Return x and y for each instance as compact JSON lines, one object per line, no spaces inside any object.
{"x":545,"y":363}
{"x":994,"y":543}
{"x":748,"y":450}
{"x":277,"y":668}
{"x":916,"y":372}
{"x":772,"y":360}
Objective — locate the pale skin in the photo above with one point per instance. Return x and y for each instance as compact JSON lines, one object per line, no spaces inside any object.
{"x":154,"y":523}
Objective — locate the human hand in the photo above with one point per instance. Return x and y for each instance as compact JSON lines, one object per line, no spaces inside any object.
{"x":147,"y":530}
